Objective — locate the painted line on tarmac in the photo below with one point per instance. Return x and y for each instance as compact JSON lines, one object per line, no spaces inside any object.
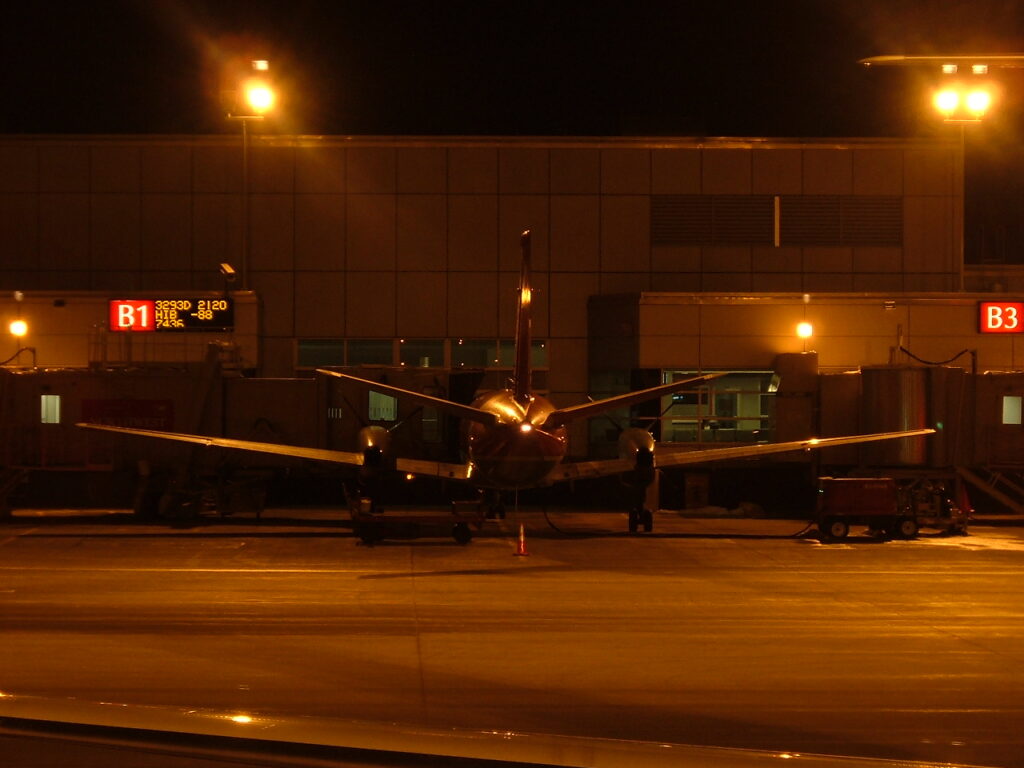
{"x":197,"y":570}
{"x":16,"y":536}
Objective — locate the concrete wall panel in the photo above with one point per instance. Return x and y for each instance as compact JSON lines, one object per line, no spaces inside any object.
{"x":827,"y":172}
{"x":675,"y":171}
{"x":166,"y":169}
{"x":422,"y":237}
{"x":370,"y":305}
{"x":473,"y":305}
{"x":63,"y":168}
{"x":575,"y":171}
{"x":575,"y":233}
{"x":19,"y":234}
{"x":370,"y":169}
{"x":569,"y":293}
{"x":726,"y":172}
{"x":216,"y":169}
{"x":114,"y":237}
{"x":422,"y":170}
{"x":877,"y":172}
{"x":930,"y":171}
{"x":472,"y":232}
{"x":472,"y":170}
{"x":271,"y":232}
{"x":167,"y":232}
{"x":370,"y":232}
{"x":319,"y":232}
{"x":422,"y":304}
{"x":216,"y":224}
{"x":625,"y":172}
{"x":777,"y":172}
{"x":625,"y":233}
{"x":271,"y":170}
{"x":319,"y":170}
{"x":515,"y":214}
{"x":523,"y":171}
{"x":19,"y":169}
{"x":277,"y":292}
{"x":319,"y":304}
{"x":927,"y":239}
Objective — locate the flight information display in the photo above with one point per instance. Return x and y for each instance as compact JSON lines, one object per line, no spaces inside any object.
{"x":172,"y":314}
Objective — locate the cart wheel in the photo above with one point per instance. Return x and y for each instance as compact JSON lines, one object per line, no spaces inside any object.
{"x":647,"y":520}
{"x":369,"y":535}
{"x":906,"y":528}
{"x":462,"y":533}
{"x":834,"y":528}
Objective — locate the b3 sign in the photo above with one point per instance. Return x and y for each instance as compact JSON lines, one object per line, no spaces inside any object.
{"x":1001,"y":316}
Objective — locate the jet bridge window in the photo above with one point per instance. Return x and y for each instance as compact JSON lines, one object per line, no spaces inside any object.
{"x":382,"y":407}
{"x":50,"y":409}
{"x":1011,"y":409}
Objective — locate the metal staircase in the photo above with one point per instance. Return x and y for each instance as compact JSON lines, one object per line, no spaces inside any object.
{"x":1005,"y":486}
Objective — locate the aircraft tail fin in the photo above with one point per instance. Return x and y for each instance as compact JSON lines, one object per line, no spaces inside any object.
{"x":523,"y":341}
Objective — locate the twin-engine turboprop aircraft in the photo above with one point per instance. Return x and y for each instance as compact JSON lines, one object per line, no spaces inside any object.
{"x":515,"y":439}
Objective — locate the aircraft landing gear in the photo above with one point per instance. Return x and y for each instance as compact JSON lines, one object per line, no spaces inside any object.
{"x":493,"y":507}
{"x":641,"y":516}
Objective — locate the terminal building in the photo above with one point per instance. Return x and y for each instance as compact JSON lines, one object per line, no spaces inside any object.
{"x":401,"y":255}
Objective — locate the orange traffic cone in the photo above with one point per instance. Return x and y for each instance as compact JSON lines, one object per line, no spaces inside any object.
{"x":521,"y":544}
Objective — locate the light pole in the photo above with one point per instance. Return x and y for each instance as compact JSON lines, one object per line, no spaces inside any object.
{"x":964,"y":96}
{"x":252,"y":99}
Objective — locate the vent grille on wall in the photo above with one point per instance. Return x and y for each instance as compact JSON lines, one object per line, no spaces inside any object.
{"x":711,"y":219}
{"x":836,"y":220}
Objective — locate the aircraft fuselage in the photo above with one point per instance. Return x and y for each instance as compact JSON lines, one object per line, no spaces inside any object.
{"x":516,"y":452}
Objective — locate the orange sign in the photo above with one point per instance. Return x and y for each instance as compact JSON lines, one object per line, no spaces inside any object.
{"x":1001,"y":317}
{"x":132,"y":315}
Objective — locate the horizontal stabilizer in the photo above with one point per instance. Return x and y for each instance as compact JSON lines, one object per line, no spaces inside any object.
{"x":299,"y":452}
{"x":455,"y":409}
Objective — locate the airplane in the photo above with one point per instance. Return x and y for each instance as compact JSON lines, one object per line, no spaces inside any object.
{"x":515,"y":439}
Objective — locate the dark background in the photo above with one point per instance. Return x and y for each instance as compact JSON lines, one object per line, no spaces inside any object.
{"x":525,"y":67}
{"x":538,"y":67}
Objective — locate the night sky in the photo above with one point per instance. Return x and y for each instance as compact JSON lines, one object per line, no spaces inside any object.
{"x":520,"y":67}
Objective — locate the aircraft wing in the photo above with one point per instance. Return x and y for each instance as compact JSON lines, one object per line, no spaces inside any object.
{"x":578,"y":470}
{"x":584,"y":410}
{"x":681,"y":458}
{"x":317,"y":454}
{"x":456,"y":409}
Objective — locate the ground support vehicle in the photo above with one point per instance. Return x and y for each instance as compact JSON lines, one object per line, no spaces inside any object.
{"x":373,"y":525}
{"x":889,"y":507}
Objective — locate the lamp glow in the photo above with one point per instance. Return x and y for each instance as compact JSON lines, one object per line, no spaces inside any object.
{"x":259,"y":96}
{"x":946,"y":101}
{"x":804,"y":330}
{"x":978,"y":101}
{"x":18,"y":328}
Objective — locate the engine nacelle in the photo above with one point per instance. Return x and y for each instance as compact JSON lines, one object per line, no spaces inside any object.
{"x":374,"y":443}
{"x":638,"y":446}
